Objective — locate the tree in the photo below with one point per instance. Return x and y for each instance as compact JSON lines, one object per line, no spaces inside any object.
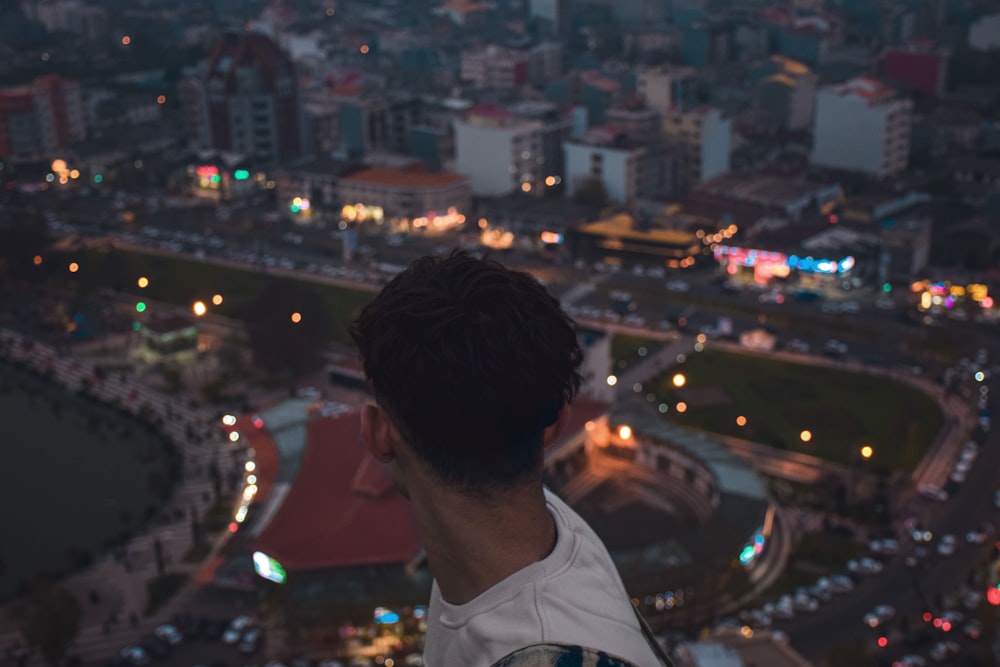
{"x":849,"y":654}
{"x":591,"y":194}
{"x":51,"y":620}
{"x":22,"y":242}
{"x":287,"y":329}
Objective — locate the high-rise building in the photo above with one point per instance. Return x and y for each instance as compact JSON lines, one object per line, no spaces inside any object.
{"x":703,"y":135}
{"x":507,"y":149}
{"x":666,"y":88}
{"x":40,"y":118}
{"x":917,"y":66}
{"x":495,"y":67}
{"x":555,"y":12}
{"x":864,"y":126}
{"x":787,"y":91}
{"x":244,"y":98}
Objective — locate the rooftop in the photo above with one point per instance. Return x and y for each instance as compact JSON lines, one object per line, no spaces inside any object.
{"x":867,"y":88}
{"x":340,"y":511}
{"x":414,"y":176}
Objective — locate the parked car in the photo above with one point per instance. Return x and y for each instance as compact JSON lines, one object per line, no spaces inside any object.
{"x":169,"y":634}
{"x":251,"y":640}
{"x":235,"y":630}
{"x":946,"y":546}
{"x":883,"y":613}
{"x":935,"y":493}
{"x":915,"y":557}
{"x":135,"y":655}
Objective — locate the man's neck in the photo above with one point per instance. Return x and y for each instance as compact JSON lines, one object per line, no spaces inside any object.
{"x":474,"y":544}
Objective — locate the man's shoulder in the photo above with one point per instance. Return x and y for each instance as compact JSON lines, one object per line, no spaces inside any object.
{"x":560,"y":655}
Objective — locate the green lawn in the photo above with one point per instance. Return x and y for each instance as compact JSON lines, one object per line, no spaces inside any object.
{"x":183,"y":281}
{"x":625,"y":347}
{"x":842,"y":410}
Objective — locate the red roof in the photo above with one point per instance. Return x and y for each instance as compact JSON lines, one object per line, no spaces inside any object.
{"x":342,"y":509}
{"x":582,"y":410}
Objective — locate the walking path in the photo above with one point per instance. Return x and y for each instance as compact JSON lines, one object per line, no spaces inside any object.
{"x":117,"y":619}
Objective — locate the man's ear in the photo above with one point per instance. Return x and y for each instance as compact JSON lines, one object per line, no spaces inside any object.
{"x":378,"y":433}
{"x":555,"y":431}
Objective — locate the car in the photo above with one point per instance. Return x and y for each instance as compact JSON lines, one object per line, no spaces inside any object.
{"x":915,"y":557}
{"x":805,"y":603}
{"x":881,"y":614}
{"x":943,"y":650}
{"x":958,"y":475}
{"x":973,"y":629}
{"x":946,"y":546}
{"x":169,"y":634}
{"x":835,"y":348}
{"x":214,"y":628}
{"x":772,"y":296}
{"x":884,"y":303}
{"x":156,"y":647}
{"x":250,"y":642}
{"x":979,"y":535}
{"x":796,"y":345}
{"x":911,"y":661}
{"x":841,"y":583}
{"x":931,"y":492}
{"x":135,"y":655}
{"x":677,"y":286}
{"x":870,"y":565}
{"x":235,"y":629}
{"x":971,"y":600}
{"x":850,"y":307}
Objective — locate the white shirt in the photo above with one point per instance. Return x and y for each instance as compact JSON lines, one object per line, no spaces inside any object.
{"x":573,"y":596}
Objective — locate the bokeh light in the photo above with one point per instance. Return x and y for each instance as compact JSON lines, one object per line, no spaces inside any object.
{"x":805,"y":436}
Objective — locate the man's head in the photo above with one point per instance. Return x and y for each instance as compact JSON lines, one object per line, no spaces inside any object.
{"x":470,"y":362}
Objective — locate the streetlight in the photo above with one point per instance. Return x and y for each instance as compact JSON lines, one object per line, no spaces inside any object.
{"x":741,"y":421}
{"x":806,"y":436}
{"x":679,"y":380}
{"x":624,"y":431}
{"x":73,"y":267}
{"x":866,"y":452}
{"x":296,"y":317}
{"x":681,"y":407}
{"x":199,"y":308}
{"x":217,"y":300}
{"x":612,"y":380}
{"x":143,"y":282}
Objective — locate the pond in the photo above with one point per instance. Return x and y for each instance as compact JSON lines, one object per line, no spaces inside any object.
{"x":77,"y":478}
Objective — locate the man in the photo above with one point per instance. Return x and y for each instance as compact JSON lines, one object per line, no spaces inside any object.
{"x":473,"y":367}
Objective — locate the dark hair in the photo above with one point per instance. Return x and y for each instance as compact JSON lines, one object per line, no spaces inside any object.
{"x":471,"y":361}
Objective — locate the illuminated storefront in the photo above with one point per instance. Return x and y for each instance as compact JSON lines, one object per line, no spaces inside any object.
{"x":945,"y":298}
{"x":431,"y":222}
{"x":212,"y":181}
{"x":762,"y":265}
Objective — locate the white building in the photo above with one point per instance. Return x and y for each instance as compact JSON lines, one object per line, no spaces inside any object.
{"x":863,"y":126}
{"x":703,"y":135}
{"x":665,"y":87}
{"x":604,"y":156}
{"x":984,"y":34}
{"x":495,"y":67}
{"x":503,"y":150}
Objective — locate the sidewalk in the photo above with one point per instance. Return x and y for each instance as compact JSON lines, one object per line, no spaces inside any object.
{"x":120,"y":584}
